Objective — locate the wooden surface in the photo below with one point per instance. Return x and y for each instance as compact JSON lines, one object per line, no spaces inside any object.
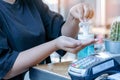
{"x":39,"y":72}
{"x":58,"y":68}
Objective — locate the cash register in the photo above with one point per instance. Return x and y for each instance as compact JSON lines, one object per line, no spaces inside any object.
{"x":91,"y":67}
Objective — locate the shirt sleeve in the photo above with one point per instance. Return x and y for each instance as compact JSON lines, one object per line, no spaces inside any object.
{"x":7,"y":55}
{"x":52,"y":21}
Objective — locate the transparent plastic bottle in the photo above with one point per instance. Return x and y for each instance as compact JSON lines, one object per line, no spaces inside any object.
{"x":84,"y":37}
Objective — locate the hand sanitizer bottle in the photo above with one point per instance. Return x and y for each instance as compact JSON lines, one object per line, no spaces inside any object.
{"x":85,"y":36}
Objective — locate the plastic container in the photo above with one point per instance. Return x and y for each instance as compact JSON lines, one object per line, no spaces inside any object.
{"x":84,"y":37}
{"x":88,"y":50}
{"x":112,"y":47}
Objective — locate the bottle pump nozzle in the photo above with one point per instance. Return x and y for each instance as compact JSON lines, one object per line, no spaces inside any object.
{"x":85,"y":27}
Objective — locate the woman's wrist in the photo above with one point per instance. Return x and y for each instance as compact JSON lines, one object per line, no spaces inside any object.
{"x":72,"y":21}
{"x":70,"y":28}
{"x":55,"y":44}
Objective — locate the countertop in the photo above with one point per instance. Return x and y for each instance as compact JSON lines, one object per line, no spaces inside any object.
{"x":52,"y":71}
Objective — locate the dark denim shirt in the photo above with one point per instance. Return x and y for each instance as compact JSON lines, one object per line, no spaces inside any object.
{"x":23,"y":25}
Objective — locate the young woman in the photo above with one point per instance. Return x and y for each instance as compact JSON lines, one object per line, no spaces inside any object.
{"x":30,"y":32}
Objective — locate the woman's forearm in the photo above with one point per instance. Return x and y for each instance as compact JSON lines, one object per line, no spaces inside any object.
{"x":31,"y":57}
{"x":70,"y":28}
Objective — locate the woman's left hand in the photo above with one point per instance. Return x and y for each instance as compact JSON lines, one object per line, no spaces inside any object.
{"x":78,"y":13}
{"x":82,"y":11}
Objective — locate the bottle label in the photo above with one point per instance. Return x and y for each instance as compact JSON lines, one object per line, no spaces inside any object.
{"x":88,"y":50}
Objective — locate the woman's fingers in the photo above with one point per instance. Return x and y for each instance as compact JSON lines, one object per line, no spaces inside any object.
{"x":71,"y":43}
{"x":91,"y":14}
{"x":86,"y":11}
{"x":89,"y":42}
{"x":82,"y":11}
{"x":77,"y":12}
{"x":80,"y":46}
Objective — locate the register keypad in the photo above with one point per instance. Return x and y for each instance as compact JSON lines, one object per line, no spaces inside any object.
{"x":83,"y":63}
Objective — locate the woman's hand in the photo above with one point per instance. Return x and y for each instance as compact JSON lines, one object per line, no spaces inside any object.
{"x":81,"y":11}
{"x":77,"y":14}
{"x":71,"y":45}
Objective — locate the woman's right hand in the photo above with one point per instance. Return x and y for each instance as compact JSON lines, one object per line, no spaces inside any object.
{"x":71,"y":45}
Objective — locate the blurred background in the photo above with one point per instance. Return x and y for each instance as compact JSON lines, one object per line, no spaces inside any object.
{"x":105,"y":12}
